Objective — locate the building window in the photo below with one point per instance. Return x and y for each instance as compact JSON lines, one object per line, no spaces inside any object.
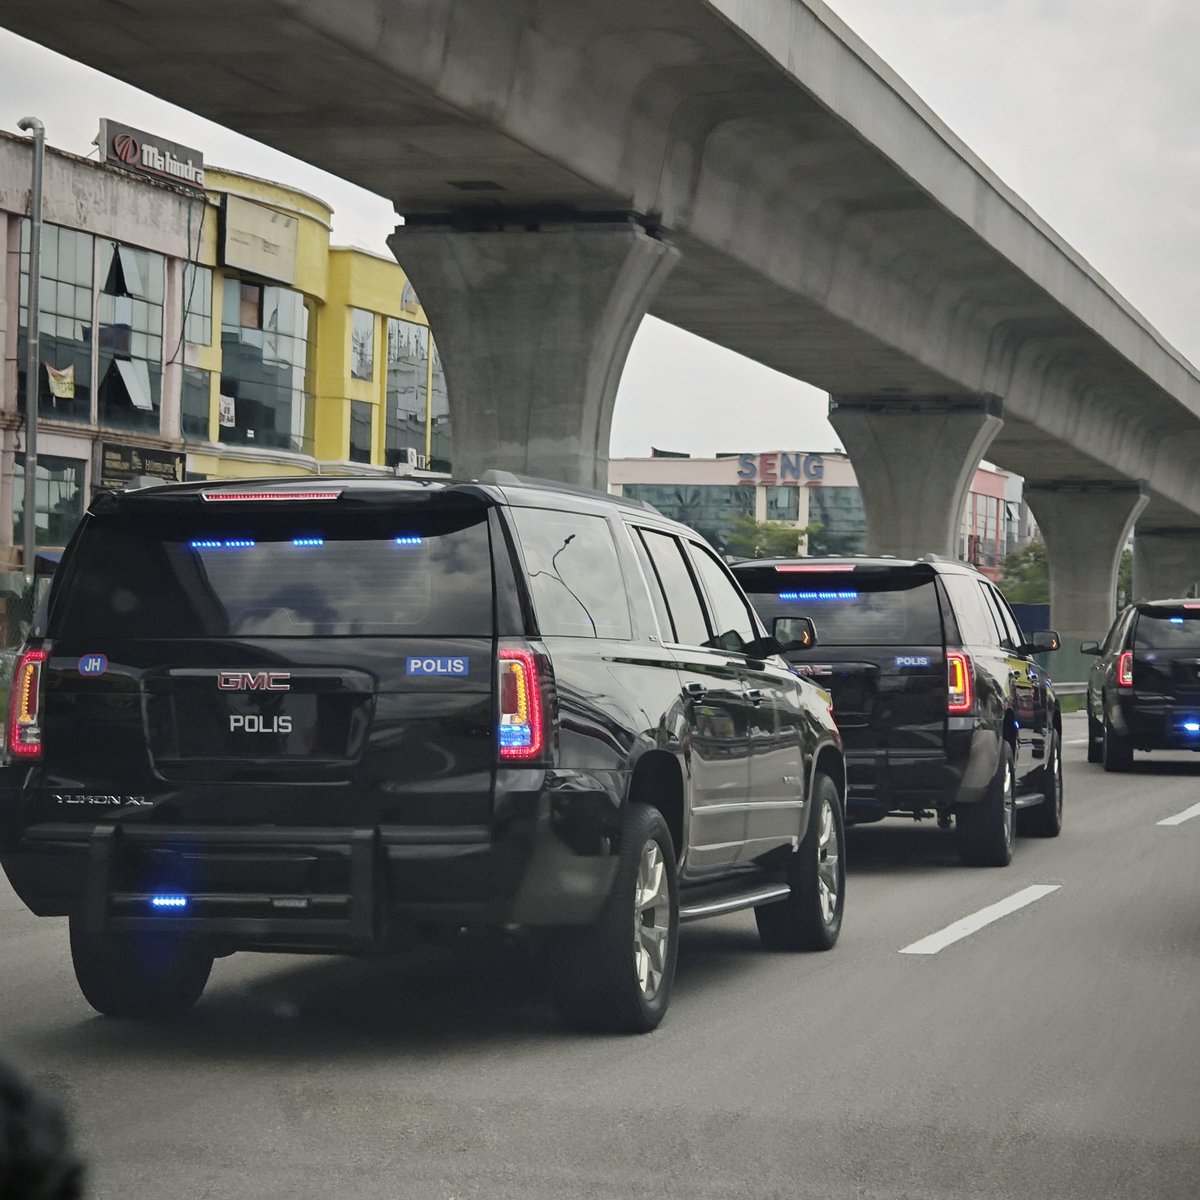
{"x":710,"y":509}
{"x":195,"y":403}
{"x":783,"y":504}
{"x":362,"y":344}
{"x":197,"y":304}
{"x":407,"y":390}
{"x":59,"y":503}
{"x":265,"y":358}
{"x":131,"y":342}
{"x":841,"y":522}
{"x":64,"y":325}
{"x":439,"y":418}
{"x":360,"y":431}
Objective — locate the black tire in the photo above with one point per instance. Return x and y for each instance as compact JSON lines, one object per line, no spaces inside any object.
{"x":1116,"y":750}
{"x":1045,"y":819}
{"x":604,"y":976}
{"x":138,"y":975}
{"x":811,"y":917}
{"x":986,"y":830}
{"x":1095,"y":739}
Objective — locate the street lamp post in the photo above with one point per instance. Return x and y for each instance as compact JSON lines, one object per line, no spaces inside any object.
{"x":33,"y":373}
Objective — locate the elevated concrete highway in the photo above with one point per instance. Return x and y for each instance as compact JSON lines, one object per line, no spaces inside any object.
{"x":746,"y":169}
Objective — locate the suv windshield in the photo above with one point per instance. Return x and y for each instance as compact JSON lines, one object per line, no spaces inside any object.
{"x":1168,"y":629}
{"x":849,"y":608}
{"x":299,"y":573}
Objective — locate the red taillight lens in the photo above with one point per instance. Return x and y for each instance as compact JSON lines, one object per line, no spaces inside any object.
{"x":960,"y":695}
{"x":1125,"y":669}
{"x":24,"y":707}
{"x":521,"y":731}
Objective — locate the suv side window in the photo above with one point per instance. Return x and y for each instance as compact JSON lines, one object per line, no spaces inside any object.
{"x":683,"y":601}
{"x":975,"y":622}
{"x":1010,"y":633}
{"x":1115,"y":634}
{"x":731,"y":617}
{"x":574,"y":574}
{"x":654,"y":586}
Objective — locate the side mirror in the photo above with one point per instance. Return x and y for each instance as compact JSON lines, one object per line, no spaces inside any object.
{"x":795,"y":633}
{"x":1046,"y":639}
{"x":1089,"y":648}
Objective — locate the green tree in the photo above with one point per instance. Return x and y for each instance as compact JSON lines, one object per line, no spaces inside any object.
{"x":1025,"y":575}
{"x":1125,"y":579}
{"x":749,"y":538}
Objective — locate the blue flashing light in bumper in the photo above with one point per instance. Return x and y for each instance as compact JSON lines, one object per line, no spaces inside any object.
{"x":408,"y":541}
{"x":1192,"y":727}
{"x":168,"y":902}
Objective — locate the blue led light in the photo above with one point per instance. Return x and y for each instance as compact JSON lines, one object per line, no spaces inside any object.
{"x":309,"y":541}
{"x":168,"y":901}
{"x":228,"y":544}
{"x":807,"y":596}
{"x":408,"y":541}
{"x":516,"y":736}
{"x":1176,"y":620}
{"x":1191,"y":726}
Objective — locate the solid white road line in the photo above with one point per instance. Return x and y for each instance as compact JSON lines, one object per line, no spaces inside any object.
{"x":976,"y":921}
{"x":1186,"y":815}
{"x":1077,"y":742}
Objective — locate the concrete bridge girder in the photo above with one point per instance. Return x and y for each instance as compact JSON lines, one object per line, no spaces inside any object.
{"x":914,"y":461}
{"x":533,"y":328}
{"x":1166,"y":563}
{"x":1085,"y":525}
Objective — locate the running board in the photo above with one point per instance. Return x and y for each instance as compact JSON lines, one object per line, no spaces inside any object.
{"x":728,"y":904}
{"x":1029,"y":800}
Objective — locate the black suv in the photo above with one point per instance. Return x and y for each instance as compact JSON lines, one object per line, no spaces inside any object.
{"x":1144,"y":691}
{"x":941,"y":705}
{"x":322,"y":716}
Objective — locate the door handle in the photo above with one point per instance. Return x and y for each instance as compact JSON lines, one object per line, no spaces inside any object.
{"x":695,"y":691}
{"x":755,"y":695}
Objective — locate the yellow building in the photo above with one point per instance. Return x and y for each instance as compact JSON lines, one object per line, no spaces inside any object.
{"x":302,"y":356}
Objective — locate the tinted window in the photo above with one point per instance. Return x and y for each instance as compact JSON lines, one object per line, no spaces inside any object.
{"x":687,"y":611}
{"x":731,"y":619}
{"x":1011,"y":624}
{"x":975,"y":621}
{"x":656,"y":592}
{"x":1167,"y":630}
{"x":1009,"y":634}
{"x":573,"y":573}
{"x":849,"y":608}
{"x":294,"y":574}
{"x":1114,"y":634}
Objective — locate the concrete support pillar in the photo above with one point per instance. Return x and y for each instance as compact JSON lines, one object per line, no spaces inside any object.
{"x":1166,"y":563}
{"x":533,"y":327}
{"x":914,"y":458}
{"x":1085,"y":527}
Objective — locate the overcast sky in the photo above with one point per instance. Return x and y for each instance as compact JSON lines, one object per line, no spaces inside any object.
{"x":1087,"y":108}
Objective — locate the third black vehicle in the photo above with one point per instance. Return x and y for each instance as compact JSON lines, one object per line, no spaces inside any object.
{"x":943,"y":709}
{"x":1144,"y":689}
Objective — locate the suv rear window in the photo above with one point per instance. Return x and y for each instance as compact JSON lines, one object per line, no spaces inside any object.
{"x":1167,"y":629}
{"x":849,"y":608}
{"x":294,"y":573}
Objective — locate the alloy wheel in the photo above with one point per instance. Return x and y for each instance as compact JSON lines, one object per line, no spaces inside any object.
{"x":651,"y":920}
{"x":828,"y":856}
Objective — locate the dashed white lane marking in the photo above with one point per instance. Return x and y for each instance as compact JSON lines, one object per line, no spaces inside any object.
{"x":1179,"y":818}
{"x":976,"y":921}
{"x":1077,"y":742}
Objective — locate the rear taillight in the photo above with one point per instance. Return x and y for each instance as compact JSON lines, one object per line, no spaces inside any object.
{"x":24,"y":707}
{"x":959,"y":695}
{"x":521,"y":733}
{"x":1125,"y":669}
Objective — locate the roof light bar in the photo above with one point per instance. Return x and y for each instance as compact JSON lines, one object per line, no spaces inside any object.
{"x":812,"y":596}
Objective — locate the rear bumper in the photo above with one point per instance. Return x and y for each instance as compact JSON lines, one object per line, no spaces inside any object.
{"x":880,"y":781}
{"x":345,"y":889}
{"x":1157,"y":723}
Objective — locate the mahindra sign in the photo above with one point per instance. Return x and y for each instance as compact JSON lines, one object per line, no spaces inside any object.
{"x":135,"y":150}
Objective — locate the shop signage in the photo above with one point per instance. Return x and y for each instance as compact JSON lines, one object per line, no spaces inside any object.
{"x":148,"y":154}
{"x":788,"y":470}
{"x":119,"y":464}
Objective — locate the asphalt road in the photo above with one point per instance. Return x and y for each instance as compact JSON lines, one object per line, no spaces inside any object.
{"x":1052,"y":1053}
